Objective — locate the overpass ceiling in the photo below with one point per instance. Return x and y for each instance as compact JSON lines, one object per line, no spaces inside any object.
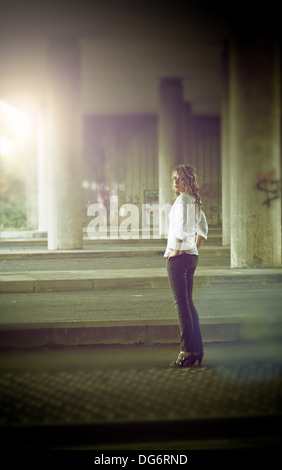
{"x":127,"y":47}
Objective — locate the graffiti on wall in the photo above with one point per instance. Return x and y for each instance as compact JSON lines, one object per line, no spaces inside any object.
{"x":271,"y":186}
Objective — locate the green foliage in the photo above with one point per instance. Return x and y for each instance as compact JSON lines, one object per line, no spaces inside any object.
{"x":12,"y":215}
{"x":12,"y":194}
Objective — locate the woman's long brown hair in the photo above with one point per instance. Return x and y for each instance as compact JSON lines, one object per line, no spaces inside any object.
{"x":189,"y":173}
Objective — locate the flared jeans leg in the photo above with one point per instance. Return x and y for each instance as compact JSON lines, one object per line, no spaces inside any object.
{"x":181,"y":276}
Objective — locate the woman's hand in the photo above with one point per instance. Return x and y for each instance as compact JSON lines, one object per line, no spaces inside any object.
{"x":177,"y":251}
{"x":173,"y":253}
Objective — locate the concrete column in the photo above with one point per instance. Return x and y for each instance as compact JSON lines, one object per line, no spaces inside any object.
{"x":255,"y":153}
{"x":170,"y":137}
{"x":64,"y":145}
{"x":188,"y":154}
{"x":225,"y":154}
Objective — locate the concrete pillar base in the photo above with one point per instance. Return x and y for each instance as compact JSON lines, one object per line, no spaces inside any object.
{"x":65,"y":209}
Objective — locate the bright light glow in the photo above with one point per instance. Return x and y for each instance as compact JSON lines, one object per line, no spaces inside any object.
{"x":15,"y":127}
{"x":6,"y":146}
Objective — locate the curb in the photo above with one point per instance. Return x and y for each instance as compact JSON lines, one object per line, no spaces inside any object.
{"x":146,"y":332}
{"x":36,"y":335}
{"x":65,"y":281}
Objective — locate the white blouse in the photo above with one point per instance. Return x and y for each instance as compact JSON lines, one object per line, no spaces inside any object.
{"x":186,"y":220}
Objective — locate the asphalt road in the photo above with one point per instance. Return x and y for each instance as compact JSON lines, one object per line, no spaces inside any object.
{"x":239,"y":301}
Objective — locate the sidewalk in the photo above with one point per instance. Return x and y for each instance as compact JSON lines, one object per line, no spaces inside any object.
{"x":124,"y":398}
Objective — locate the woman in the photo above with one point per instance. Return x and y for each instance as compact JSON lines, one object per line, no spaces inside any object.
{"x":187,"y":230}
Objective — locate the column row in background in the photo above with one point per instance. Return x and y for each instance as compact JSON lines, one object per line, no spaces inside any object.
{"x":121,"y":158}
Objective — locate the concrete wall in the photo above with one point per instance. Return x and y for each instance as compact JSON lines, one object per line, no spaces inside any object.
{"x":121,"y":158}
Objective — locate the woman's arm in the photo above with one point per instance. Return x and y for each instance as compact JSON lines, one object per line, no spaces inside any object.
{"x":199,"y":241}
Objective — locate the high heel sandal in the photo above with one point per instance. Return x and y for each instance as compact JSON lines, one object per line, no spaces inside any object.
{"x":183,"y":360}
{"x":196,"y":357}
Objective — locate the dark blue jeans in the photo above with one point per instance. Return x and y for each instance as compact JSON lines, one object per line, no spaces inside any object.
{"x":181,"y":276}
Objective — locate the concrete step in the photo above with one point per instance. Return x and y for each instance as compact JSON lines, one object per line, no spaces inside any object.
{"x":40,"y":239}
{"x":64,"y":281}
{"x":37,"y":234}
{"x":109,"y":251}
{"x":87,"y":243}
